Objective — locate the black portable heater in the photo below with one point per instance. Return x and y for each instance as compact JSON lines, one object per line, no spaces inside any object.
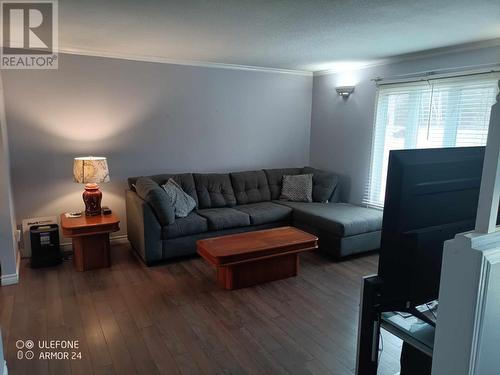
{"x":45,"y":249}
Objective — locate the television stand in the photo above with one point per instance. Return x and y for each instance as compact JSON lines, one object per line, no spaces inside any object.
{"x":420,"y":315}
{"x":373,"y":317}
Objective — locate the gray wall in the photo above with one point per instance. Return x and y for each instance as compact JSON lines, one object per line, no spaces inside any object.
{"x":146,"y":118}
{"x":341,"y":130}
{"x":8,"y":248}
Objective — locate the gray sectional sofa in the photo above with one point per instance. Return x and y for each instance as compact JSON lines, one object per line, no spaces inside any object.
{"x":240,"y":202}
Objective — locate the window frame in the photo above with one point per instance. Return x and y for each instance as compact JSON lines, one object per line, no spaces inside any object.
{"x":377,"y":168}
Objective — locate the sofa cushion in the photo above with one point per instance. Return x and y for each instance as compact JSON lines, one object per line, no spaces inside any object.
{"x":297,"y":188}
{"x":324,"y":184}
{"x":250,"y":187}
{"x":157,"y":199}
{"x":185,"y":181}
{"x":185,"y":226}
{"x":275,"y":179}
{"x":224,"y":218}
{"x":340,"y":219}
{"x":182,"y":202}
{"x":266,"y":212}
{"x":214,"y":190}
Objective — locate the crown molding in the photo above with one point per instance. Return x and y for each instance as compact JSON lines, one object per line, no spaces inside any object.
{"x":419,"y":55}
{"x":165,"y":60}
{"x":205,"y":64}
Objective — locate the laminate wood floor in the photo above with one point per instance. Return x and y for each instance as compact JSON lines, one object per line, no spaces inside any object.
{"x":174,"y":319}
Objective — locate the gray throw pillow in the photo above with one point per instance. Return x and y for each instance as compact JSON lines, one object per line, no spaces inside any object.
{"x":297,"y":188}
{"x":182,"y":202}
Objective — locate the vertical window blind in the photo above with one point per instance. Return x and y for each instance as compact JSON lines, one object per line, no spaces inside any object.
{"x":447,"y":112}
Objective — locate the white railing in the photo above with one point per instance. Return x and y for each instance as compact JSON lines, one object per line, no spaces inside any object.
{"x":489,"y":198}
{"x":467,"y":338}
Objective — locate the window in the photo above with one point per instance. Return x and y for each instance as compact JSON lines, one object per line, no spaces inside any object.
{"x":449,"y":112}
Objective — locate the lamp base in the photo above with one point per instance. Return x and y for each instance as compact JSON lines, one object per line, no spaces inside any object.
{"x":92,"y":197}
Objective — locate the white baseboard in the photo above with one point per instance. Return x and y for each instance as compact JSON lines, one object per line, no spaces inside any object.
{"x":123,"y":239}
{"x":5,"y":371}
{"x":12,"y":278}
{"x":116,"y":240}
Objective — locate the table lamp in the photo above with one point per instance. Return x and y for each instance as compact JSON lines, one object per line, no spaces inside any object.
{"x":90,"y":170}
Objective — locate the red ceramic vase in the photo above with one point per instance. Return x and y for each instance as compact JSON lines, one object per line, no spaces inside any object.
{"x":92,"y":197}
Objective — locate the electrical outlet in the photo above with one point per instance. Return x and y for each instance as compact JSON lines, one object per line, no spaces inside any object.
{"x":17,"y":235}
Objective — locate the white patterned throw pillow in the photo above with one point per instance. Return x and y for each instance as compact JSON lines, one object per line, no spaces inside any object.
{"x":297,"y":188}
{"x":182,"y":202}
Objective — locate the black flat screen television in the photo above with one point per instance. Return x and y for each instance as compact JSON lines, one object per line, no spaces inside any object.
{"x":431,"y":195}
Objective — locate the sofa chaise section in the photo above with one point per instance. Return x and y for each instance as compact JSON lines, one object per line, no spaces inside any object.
{"x":343,"y":229}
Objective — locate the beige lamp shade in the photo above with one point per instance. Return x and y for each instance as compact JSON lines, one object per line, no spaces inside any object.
{"x":90,"y":169}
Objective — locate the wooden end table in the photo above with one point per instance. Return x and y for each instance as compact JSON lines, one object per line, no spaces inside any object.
{"x":252,"y":258}
{"x":90,"y":236}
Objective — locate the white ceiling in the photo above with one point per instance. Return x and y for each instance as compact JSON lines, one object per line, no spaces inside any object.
{"x":299,"y":35}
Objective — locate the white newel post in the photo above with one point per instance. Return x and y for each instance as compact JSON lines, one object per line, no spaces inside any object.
{"x":468,"y":327}
{"x":490,"y":185}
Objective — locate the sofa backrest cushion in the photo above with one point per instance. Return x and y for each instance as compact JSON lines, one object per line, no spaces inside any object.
{"x":158,"y":200}
{"x":214,"y":190}
{"x":325,"y":185}
{"x":250,"y":187}
{"x":184,"y":180}
{"x":275,"y":179}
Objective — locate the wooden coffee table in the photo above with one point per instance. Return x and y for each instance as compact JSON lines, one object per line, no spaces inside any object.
{"x":90,"y":235}
{"x":256,"y":257}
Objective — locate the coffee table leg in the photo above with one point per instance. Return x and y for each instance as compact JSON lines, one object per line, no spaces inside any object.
{"x":250,"y":273}
{"x":225,"y":277}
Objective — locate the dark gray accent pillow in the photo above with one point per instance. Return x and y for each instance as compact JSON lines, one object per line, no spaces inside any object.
{"x":155,"y":196}
{"x":275,"y":179}
{"x":250,"y":187}
{"x":214,"y":190}
{"x":182,"y":202}
{"x":184,"y":180}
{"x":324,"y":184}
{"x":297,"y":188}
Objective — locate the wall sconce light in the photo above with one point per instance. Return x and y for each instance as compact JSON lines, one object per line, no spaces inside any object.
{"x":344,"y":91}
